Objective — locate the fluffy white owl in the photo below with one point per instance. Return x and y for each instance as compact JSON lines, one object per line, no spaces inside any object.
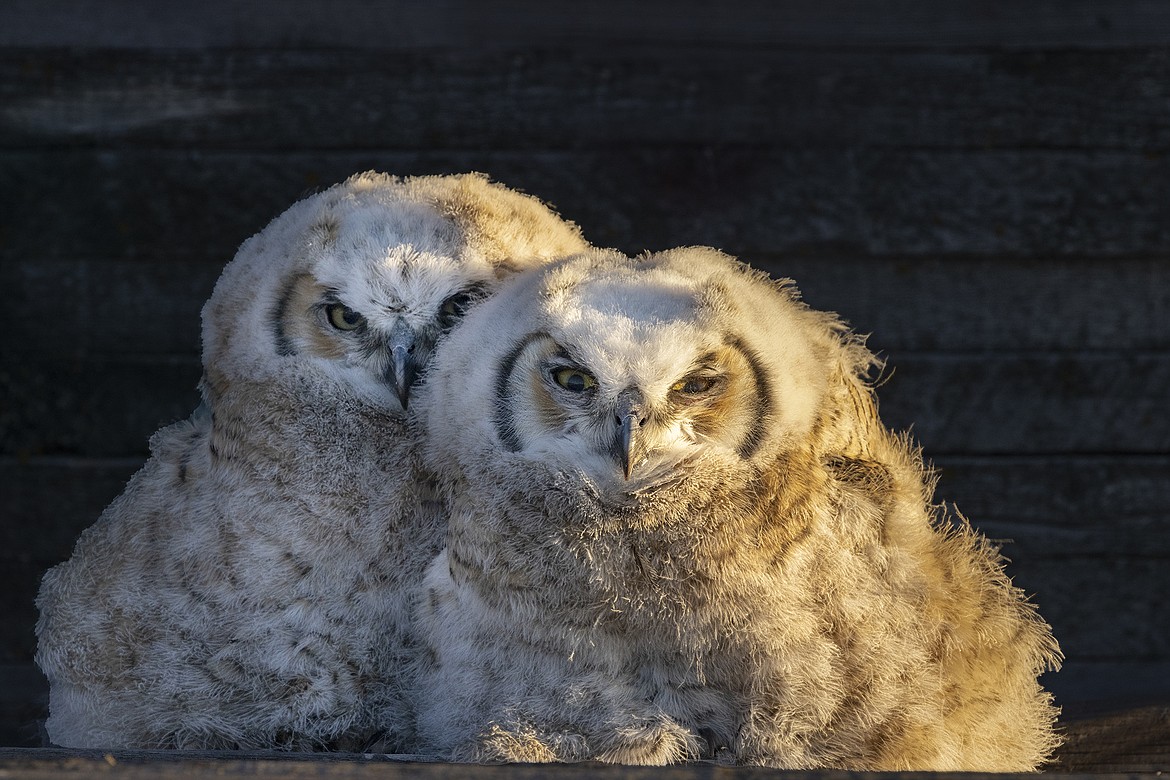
{"x":249,"y":588}
{"x":678,"y":529}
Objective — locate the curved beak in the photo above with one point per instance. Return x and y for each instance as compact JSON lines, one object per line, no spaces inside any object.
{"x":403,"y":368}
{"x":629,"y":443}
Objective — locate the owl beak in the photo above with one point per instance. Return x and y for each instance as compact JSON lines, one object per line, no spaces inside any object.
{"x":403,"y":368}
{"x":629,"y":442}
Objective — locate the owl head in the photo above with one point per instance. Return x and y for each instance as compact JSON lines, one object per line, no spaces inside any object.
{"x":670,"y":380}
{"x":354,"y":286}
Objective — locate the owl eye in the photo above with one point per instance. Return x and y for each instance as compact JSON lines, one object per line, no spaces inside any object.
{"x":695,"y":385}
{"x":343,"y":318}
{"x":574,"y":380}
{"x":454,"y":307}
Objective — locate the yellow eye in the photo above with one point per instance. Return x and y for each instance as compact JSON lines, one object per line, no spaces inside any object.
{"x":573,"y":379}
{"x":695,"y":385}
{"x":343,"y":318}
{"x":453,"y":308}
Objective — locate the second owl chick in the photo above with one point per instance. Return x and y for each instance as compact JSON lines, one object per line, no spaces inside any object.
{"x":248,"y":588}
{"x":678,"y":528}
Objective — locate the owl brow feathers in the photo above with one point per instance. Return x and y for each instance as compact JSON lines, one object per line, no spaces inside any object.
{"x":505,"y":424}
{"x":762,"y":402}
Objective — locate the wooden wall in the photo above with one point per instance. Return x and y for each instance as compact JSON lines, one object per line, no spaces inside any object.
{"x":983,"y":186}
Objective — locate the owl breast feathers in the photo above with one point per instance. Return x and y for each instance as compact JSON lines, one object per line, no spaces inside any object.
{"x":250,"y":587}
{"x":677,"y":529}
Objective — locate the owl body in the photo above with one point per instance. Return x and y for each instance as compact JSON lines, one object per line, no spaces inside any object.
{"x":250,"y":587}
{"x":678,"y":530}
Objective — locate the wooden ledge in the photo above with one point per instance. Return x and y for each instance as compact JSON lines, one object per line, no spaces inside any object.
{"x":1102,"y":741}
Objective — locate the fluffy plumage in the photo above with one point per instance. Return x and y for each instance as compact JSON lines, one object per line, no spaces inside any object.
{"x":248,"y":589}
{"x":679,"y":529}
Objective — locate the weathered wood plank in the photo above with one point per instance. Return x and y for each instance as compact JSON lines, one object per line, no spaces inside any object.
{"x":1126,"y":739}
{"x":956,"y":403}
{"x":88,"y":407}
{"x":1012,"y":203}
{"x":1054,"y":507}
{"x":1102,"y":607}
{"x":303,"y":23}
{"x":59,"y":497}
{"x":134,"y":203}
{"x":1088,"y":537}
{"x":29,"y":764}
{"x":21,"y":579}
{"x":23,"y":705}
{"x":989,"y":304}
{"x":1087,"y":688}
{"x":654,"y":96}
{"x":1025,"y":403}
{"x":127,"y":307}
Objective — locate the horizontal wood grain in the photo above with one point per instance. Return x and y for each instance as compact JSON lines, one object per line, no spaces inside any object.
{"x":104,"y":307}
{"x":195,"y":204}
{"x":551,"y":98}
{"x":60,"y":498}
{"x":450,"y":23}
{"x":1128,"y":738}
{"x":1061,"y":507}
{"x":88,"y":407}
{"x":1029,"y":403}
{"x":989,"y":304}
{"x":1122,"y":739}
{"x":1102,"y":607}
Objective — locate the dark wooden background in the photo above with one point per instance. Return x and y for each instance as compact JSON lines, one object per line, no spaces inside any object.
{"x":983,"y":185}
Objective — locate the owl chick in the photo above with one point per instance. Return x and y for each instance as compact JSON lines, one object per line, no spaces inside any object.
{"x":249,"y":589}
{"x":678,"y":529}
